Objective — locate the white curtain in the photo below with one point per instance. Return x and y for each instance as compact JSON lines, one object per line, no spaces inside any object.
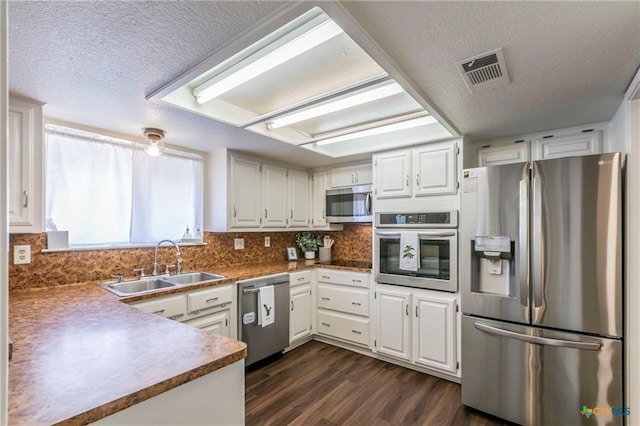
{"x":113,"y":193}
{"x":167,"y":197}
{"x":88,"y":189}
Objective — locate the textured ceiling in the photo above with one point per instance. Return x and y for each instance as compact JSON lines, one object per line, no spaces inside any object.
{"x":93,"y":63}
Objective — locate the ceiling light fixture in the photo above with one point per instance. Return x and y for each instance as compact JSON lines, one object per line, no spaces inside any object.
{"x":402,"y":125}
{"x":265,"y":62}
{"x":155,"y":148}
{"x":337,"y":105}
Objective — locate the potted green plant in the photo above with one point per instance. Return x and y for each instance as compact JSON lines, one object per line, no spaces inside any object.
{"x":308,"y":243}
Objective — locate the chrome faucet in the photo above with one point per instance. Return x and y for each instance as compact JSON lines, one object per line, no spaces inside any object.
{"x":155,"y":257}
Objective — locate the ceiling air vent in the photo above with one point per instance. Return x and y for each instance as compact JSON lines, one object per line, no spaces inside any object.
{"x":485,"y":71}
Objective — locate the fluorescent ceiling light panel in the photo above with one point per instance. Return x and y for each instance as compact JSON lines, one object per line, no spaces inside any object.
{"x":306,"y":41}
{"x":337,"y":105}
{"x":407,"y":124}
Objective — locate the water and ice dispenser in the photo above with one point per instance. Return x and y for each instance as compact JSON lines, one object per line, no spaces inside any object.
{"x":492,"y":265}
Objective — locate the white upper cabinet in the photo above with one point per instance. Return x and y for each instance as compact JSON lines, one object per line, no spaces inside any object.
{"x":274,"y":189}
{"x":552,"y":146}
{"x":249,"y":194}
{"x":299,"y":198}
{"x":393,"y":174}
{"x":319,"y":213}
{"x":246,"y":193}
{"x":426,"y":170}
{"x":359,"y":174}
{"x":26,"y":131}
{"x":504,"y":154}
{"x":434,"y":166}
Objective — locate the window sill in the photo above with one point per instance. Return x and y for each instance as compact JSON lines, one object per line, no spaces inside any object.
{"x":116,"y":247}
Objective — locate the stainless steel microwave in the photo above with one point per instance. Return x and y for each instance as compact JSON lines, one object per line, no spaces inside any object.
{"x":349,"y":205}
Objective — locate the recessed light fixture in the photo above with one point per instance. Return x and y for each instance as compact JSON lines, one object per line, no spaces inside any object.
{"x":277,"y":53}
{"x":337,"y":105}
{"x":401,"y":125}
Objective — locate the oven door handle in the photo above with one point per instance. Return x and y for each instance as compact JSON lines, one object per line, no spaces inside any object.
{"x":420,"y":234}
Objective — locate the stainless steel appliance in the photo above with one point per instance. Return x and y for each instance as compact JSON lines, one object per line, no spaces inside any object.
{"x":349,"y":205}
{"x":438,"y":248}
{"x":263,"y":341}
{"x":542,"y":291}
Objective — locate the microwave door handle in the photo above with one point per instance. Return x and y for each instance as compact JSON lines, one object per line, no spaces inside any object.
{"x":367,"y":203}
{"x":436,"y":234}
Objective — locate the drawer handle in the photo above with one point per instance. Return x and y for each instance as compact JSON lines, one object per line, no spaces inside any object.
{"x":326,"y":277}
{"x":325,"y":298}
{"x":301,"y":279}
{"x":356,"y":281}
{"x":356,"y":303}
{"x":356,"y":331}
{"x":176,"y":316}
{"x":326,"y":325}
{"x":158,"y":312}
{"x":221,"y":305}
{"x":213,"y":299}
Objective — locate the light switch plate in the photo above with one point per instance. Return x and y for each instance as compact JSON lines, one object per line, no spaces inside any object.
{"x":21,"y":254}
{"x":267,"y":241}
{"x":238,"y":243}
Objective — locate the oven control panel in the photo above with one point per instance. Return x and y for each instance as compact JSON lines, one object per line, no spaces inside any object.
{"x":439,"y":219}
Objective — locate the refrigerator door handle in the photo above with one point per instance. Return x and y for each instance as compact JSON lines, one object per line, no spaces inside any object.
{"x":523,"y":241}
{"x":537,"y":244}
{"x":588,"y":346}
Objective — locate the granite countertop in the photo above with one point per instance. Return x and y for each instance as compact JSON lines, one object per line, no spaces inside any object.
{"x":80,"y":354}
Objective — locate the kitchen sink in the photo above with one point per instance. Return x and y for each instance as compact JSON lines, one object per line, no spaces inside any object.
{"x":193,"y":277}
{"x":128,"y":288}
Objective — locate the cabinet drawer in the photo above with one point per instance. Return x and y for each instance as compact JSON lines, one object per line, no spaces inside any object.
{"x":343,"y":299}
{"x":342,"y":277}
{"x":210,"y":298}
{"x":172,"y":307}
{"x":302,"y":277}
{"x":343,"y":326}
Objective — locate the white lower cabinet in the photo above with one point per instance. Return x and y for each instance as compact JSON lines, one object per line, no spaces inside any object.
{"x":417,"y":326}
{"x":218,"y":322}
{"x":300,"y":318}
{"x":211,"y":309}
{"x":343,"y":306}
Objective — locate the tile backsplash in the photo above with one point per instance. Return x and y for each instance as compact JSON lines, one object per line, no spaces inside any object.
{"x":58,"y":268}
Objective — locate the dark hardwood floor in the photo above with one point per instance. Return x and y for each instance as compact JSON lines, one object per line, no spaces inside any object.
{"x":319,"y":384}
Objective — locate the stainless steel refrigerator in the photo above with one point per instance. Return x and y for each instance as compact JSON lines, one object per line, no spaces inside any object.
{"x":542,"y":323}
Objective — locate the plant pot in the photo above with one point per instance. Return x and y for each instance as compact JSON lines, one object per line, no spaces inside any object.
{"x":309,"y":254}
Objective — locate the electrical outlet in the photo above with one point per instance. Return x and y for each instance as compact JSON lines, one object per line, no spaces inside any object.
{"x":21,"y":254}
{"x":267,"y":241}
{"x":238,"y":243}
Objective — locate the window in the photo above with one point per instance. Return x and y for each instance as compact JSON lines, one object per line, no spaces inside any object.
{"x":107,"y":191}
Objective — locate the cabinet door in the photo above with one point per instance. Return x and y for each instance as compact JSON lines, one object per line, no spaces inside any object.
{"x":300,"y":317}
{"x":319,"y":216}
{"x":25,"y":173}
{"x":434,"y":169}
{"x":434,"y":331}
{"x":506,"y":154}
{"x":567,"y":146}
{"x":393,"y":174}
{"x":218,"y":322}
{"x":275,"y":196}
{"x":299,"y":198}
{"x":364,"y":174}
{"x":342,"y":176}
{"x":246,"y":191}
{"x":394,"y":323}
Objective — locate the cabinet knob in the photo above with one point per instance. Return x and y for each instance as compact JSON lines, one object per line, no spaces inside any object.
{"x":25,"y":198}
{"x":407,"y":180}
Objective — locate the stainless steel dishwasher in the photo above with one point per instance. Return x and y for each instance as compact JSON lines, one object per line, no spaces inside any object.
{"x":263,"y":341}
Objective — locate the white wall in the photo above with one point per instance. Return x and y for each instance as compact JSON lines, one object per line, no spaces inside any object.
{"x":629,"y":116}
{"x":4,"y":230}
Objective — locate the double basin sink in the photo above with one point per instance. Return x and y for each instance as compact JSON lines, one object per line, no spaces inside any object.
{"x":146,"y":285}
